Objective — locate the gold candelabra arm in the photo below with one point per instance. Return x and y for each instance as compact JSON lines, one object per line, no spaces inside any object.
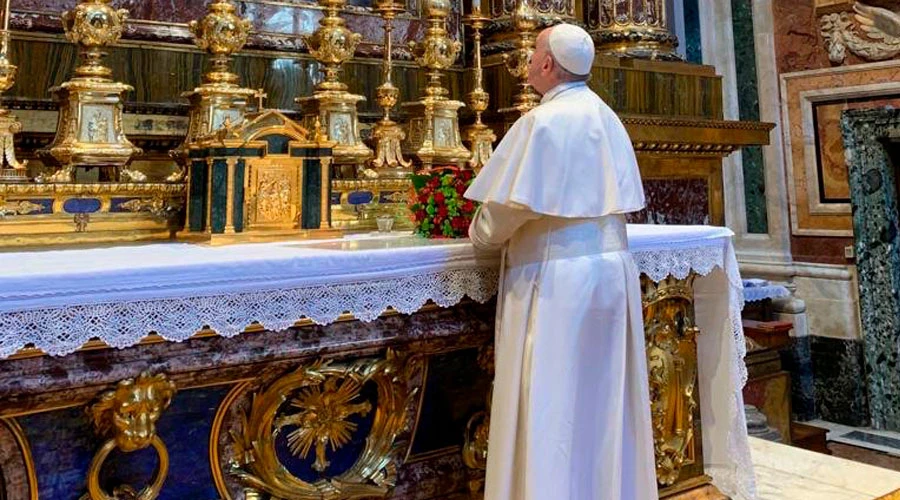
{"x":479,"y":136}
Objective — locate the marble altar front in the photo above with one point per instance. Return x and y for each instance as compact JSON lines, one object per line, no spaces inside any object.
{"x":331,"y":369}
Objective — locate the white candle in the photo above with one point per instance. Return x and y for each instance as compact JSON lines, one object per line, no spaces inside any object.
{"x":476,"y":6}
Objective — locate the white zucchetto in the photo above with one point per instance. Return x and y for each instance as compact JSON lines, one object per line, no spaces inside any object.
{"x":572,"y":48}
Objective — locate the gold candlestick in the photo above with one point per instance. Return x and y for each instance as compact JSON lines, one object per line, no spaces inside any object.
{"x":333,"y":44}
{"x":89,"y":132}
{"x":434,"y":129}
{"x":525,"y":19}
{"x":11,"y":170}
{"x":388,"y":160}
{"x":221,"y":33}
{"x":479,"y":136}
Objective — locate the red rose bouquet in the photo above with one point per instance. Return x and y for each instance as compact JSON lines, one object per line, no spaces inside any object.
{"x":437,"y":204}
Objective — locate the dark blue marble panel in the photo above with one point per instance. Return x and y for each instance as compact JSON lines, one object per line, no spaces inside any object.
{"x":360,"y":197}
{"x":81,"y":205}
{"x":278,"y":144}
{"x":840,"y":388}
{"x":312,"y":193}
{"x":455,"y":389}
{"x":63,"y":444}
{"x":798,"y":361}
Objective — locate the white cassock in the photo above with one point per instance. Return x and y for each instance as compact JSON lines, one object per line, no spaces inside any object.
{"x":570,"y":415}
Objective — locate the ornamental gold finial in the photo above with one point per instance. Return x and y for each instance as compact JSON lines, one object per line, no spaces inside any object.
{"x":94,"y":25}
{"x":388,"y":160}
{"x":525,"y":19}
{"x":436,"y":52}
{"x":332,"y":44}
{"x":221,"y":33}
{"x":480,"y":137}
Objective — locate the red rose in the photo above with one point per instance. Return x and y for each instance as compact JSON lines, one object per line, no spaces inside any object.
{"x":460,"y":189}
{"x":442,"y":212}
{"x":439,"y":197}
{"x":468,"y":206}
{"x":420,"y":215}
{"x":423,"y":198}
{"x":434,"y":183}
{"x":458,"y":223}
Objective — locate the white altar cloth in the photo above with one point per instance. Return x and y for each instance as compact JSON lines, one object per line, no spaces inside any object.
{"x":57,"y":300}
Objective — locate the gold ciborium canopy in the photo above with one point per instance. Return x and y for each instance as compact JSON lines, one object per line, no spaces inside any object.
{"x":434,"y":136}
{"x":89,"y":131}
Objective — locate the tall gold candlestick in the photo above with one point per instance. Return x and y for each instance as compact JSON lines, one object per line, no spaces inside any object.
{"x":11,"y":170}
{"x":388,"y":160}
{"x":479,"y":136}
{"x":434,"y":136}
{"x":525,"y":19}
{"x":6,"y":18}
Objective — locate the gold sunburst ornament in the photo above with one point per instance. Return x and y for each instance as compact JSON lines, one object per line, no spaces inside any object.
{"x":322,"y":419}
{"x":322,"y":400}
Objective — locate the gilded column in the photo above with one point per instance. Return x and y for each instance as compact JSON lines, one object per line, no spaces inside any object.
{"x":631,"y":28}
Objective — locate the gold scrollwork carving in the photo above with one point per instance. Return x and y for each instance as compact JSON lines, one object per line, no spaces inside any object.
{"x":317,"y":401}
{"x":127,"y":415}
{"x":672,"y":367}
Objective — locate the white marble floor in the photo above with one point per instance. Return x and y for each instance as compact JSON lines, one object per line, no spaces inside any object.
{"x":787,"y":473}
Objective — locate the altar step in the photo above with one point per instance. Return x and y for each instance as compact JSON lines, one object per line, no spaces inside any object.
{"x":789,"y":473}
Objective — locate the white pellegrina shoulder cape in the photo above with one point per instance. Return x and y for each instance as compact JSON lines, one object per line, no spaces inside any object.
{"x":568,"y":157}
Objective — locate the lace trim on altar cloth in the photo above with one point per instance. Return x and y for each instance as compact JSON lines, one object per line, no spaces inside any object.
{"x":61,"y":330}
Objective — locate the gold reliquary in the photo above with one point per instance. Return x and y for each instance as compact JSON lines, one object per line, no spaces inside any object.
{"x":266,"y":177}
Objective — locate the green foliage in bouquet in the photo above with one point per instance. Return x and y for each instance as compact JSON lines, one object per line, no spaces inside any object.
{"x":437,"y":204}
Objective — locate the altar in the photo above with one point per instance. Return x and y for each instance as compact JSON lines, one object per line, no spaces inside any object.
{"x":344,"y":368}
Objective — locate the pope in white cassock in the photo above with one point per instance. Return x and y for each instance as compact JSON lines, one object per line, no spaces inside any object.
{"x":570,"y":416}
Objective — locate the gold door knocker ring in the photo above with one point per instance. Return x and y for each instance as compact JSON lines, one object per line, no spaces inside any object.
{"x":95,"y":492}
{"x":127,"y":416}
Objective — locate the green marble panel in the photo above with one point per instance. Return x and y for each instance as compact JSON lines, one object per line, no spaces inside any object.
{"x":197,"y":196}
{"x":238,"y":211}
{"x":872,"y":158}
{"x":748,"y":105}
{"x":219,"y":195}
{"x":312,"y":193}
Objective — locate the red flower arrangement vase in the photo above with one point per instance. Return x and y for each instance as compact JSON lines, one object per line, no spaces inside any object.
{"x":438,"y":207}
